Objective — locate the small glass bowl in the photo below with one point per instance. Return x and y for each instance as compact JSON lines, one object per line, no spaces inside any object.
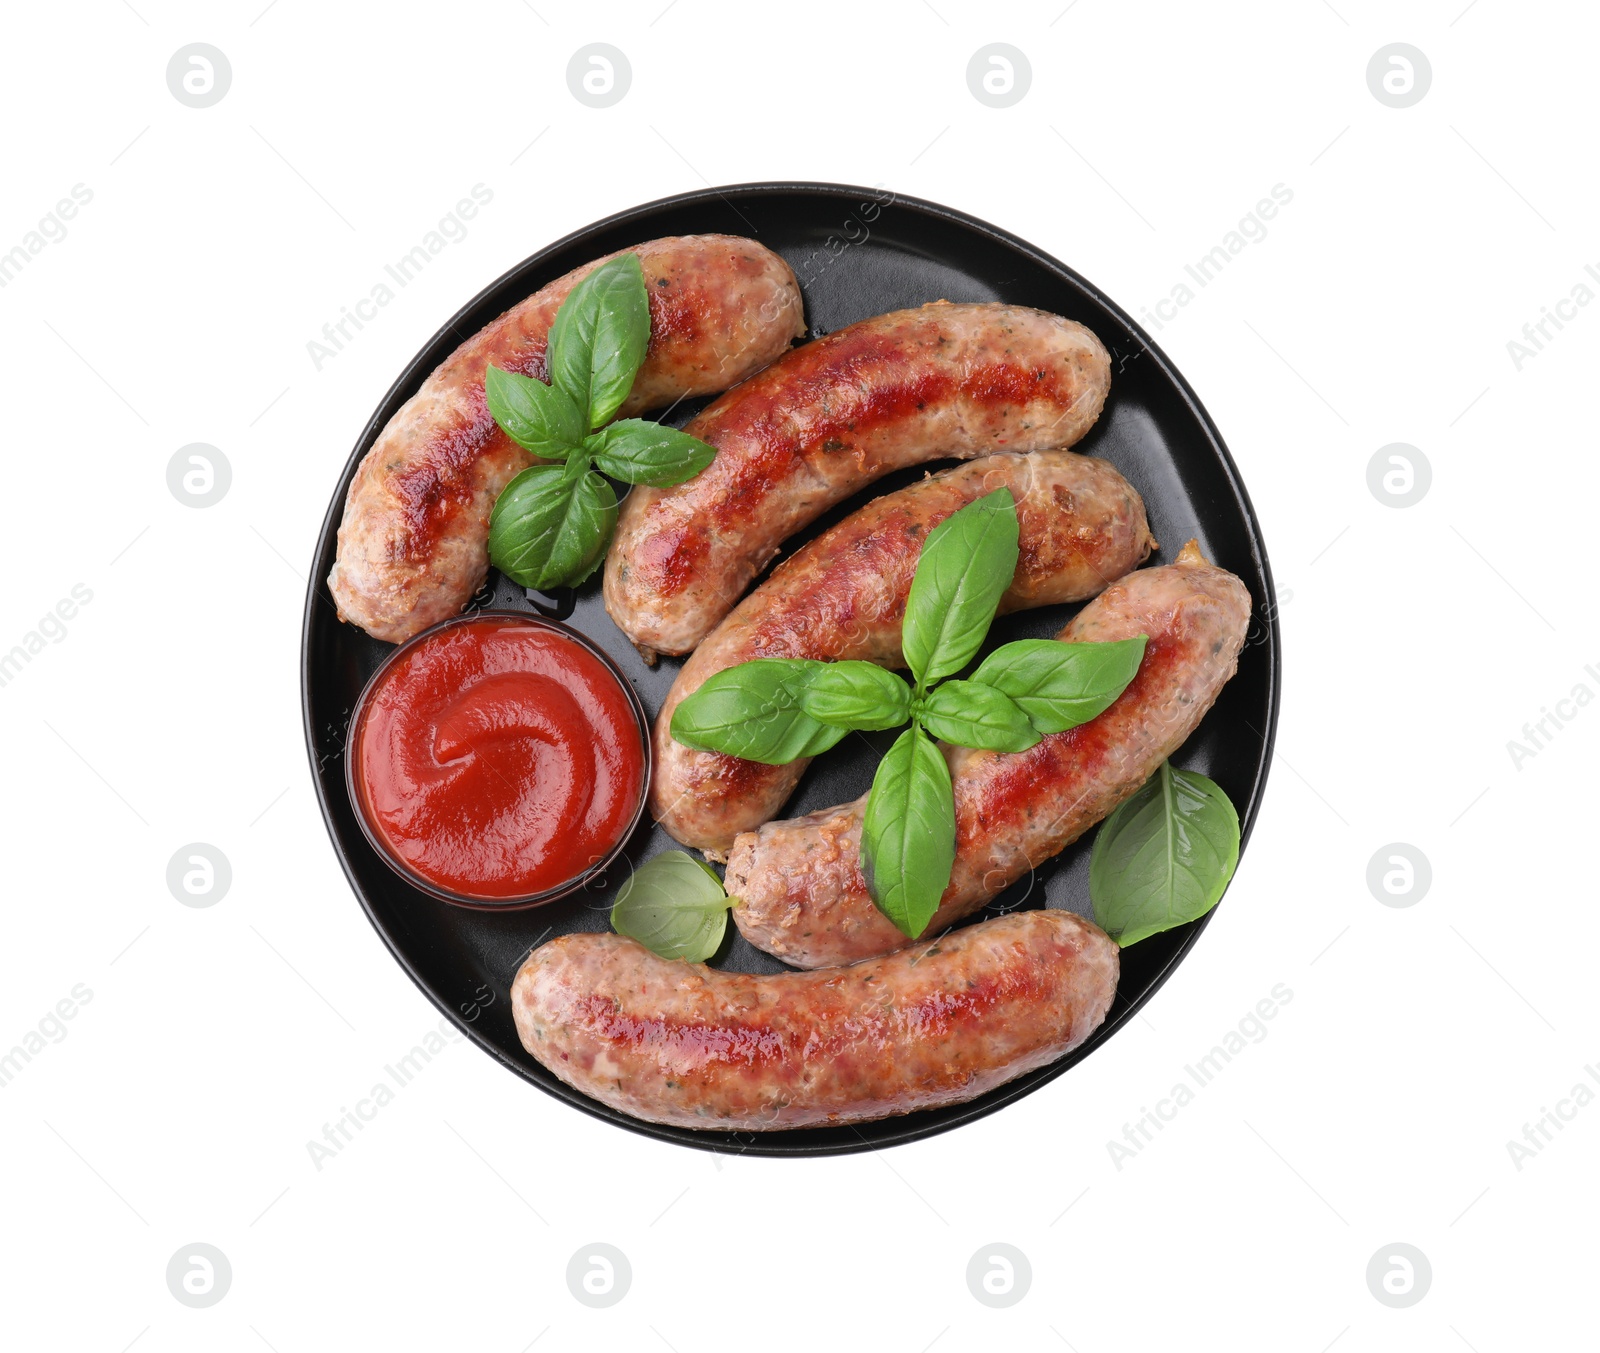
{"x":375,"y":837}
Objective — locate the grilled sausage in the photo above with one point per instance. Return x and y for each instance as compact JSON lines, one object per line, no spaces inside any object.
{"x":802,"y":894}
{"x":901,"y":389}
{"x":683,"y":1044}
{"x":1082,"y":525}
{"x":413,"y":545}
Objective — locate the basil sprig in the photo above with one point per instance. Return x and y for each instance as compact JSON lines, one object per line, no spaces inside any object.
{"x":1164,"y":857}
{"x":551,"y":524}
{"x":674,"y":906}
{"x":776,"y":710}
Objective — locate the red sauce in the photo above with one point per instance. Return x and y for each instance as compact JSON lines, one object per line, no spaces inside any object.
{"x":497,"y":758}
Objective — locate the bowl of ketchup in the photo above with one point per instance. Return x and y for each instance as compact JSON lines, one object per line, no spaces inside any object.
{"x":498,"y":760}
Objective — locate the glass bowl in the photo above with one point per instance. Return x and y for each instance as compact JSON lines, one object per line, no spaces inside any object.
{"x":366,"y":817}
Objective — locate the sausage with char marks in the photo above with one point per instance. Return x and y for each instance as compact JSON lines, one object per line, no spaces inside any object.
{"x":802,"y":896}
{"x":683,"y":1044}
{"x":824,"y":422}
{"x":1081,"y":526}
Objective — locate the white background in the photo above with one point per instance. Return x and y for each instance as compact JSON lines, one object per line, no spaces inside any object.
{"x":1418,"y":641}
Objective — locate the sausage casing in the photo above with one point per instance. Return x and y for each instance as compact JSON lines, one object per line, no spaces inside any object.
{"x":843,"y":596}
{"x":824,"y":422}
{"x":802,"y":894}
{"x":686,"y":1045}
{"x":413,"y":545}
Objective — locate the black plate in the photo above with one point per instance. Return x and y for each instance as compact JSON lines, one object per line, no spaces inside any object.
{"x":857,"y":252}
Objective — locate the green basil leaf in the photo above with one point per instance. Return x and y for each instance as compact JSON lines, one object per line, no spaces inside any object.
{"x":549,"y":528}
{"x":908,"y":837}
{"x":1164,"y":857}
{"x":599,"y":337}
{"x":536,"y":416}
{"x":972,"y":715}
{"x":856,"y":695}
{"x":1060,"y":686}
{"x":674,"y":906}
{"x":638,"y":451}
{"x":754,"y":711}
{"x":967,"y":563}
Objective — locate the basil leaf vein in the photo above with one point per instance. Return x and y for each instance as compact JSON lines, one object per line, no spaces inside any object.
{"x":967,"y":564}
{"x":1060,"y":686}
{"x":599,"y":339}
{"x":638,"y":451}
{"x":1164,"y":857}
{"x":549,"y":530}
{"x":539,"y":418}
{"x":854,"y":695}
{"x":755,"y":711}
{"x":973,"y":715}
{"x":908,"y":836}
{"x":674,"y":906}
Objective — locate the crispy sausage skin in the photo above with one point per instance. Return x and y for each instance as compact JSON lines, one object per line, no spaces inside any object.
{"x":413,"y":545}
{"x":1082,"y":526}
{"x":829,"y":418}
{"x":802,"y":894}
{"x":683,"y":1044}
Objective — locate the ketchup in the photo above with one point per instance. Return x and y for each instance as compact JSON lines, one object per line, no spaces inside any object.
{"x":498,"y":757}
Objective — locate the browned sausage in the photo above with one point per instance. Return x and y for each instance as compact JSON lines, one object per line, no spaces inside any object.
{"x":413,"y":546}
{"x":1081,"y":526}
{"x":829,"y":418}
{"x":800,"y":885}
{"x":683,"y":1044}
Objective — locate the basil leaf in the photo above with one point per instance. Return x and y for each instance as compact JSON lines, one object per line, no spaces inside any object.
{"x":1060,"y":686}
{"x":754,"y":711}
{"x":967,"y":563}
{"x":908,"y":836}
{"x":856,"y":695}
{"x":972,"y":715}
{"x":1164,"y":857}
{"x":550,"y":528}
{"x":599,"y":337}
{"x":536,"y":416}
{"x":674,"y":906}
{"x":638,"y":451}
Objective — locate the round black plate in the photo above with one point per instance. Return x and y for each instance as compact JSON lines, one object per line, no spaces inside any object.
{"x":857,"y":252}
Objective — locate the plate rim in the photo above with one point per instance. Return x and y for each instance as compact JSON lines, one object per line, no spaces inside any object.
{"x":911,"y":1127}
